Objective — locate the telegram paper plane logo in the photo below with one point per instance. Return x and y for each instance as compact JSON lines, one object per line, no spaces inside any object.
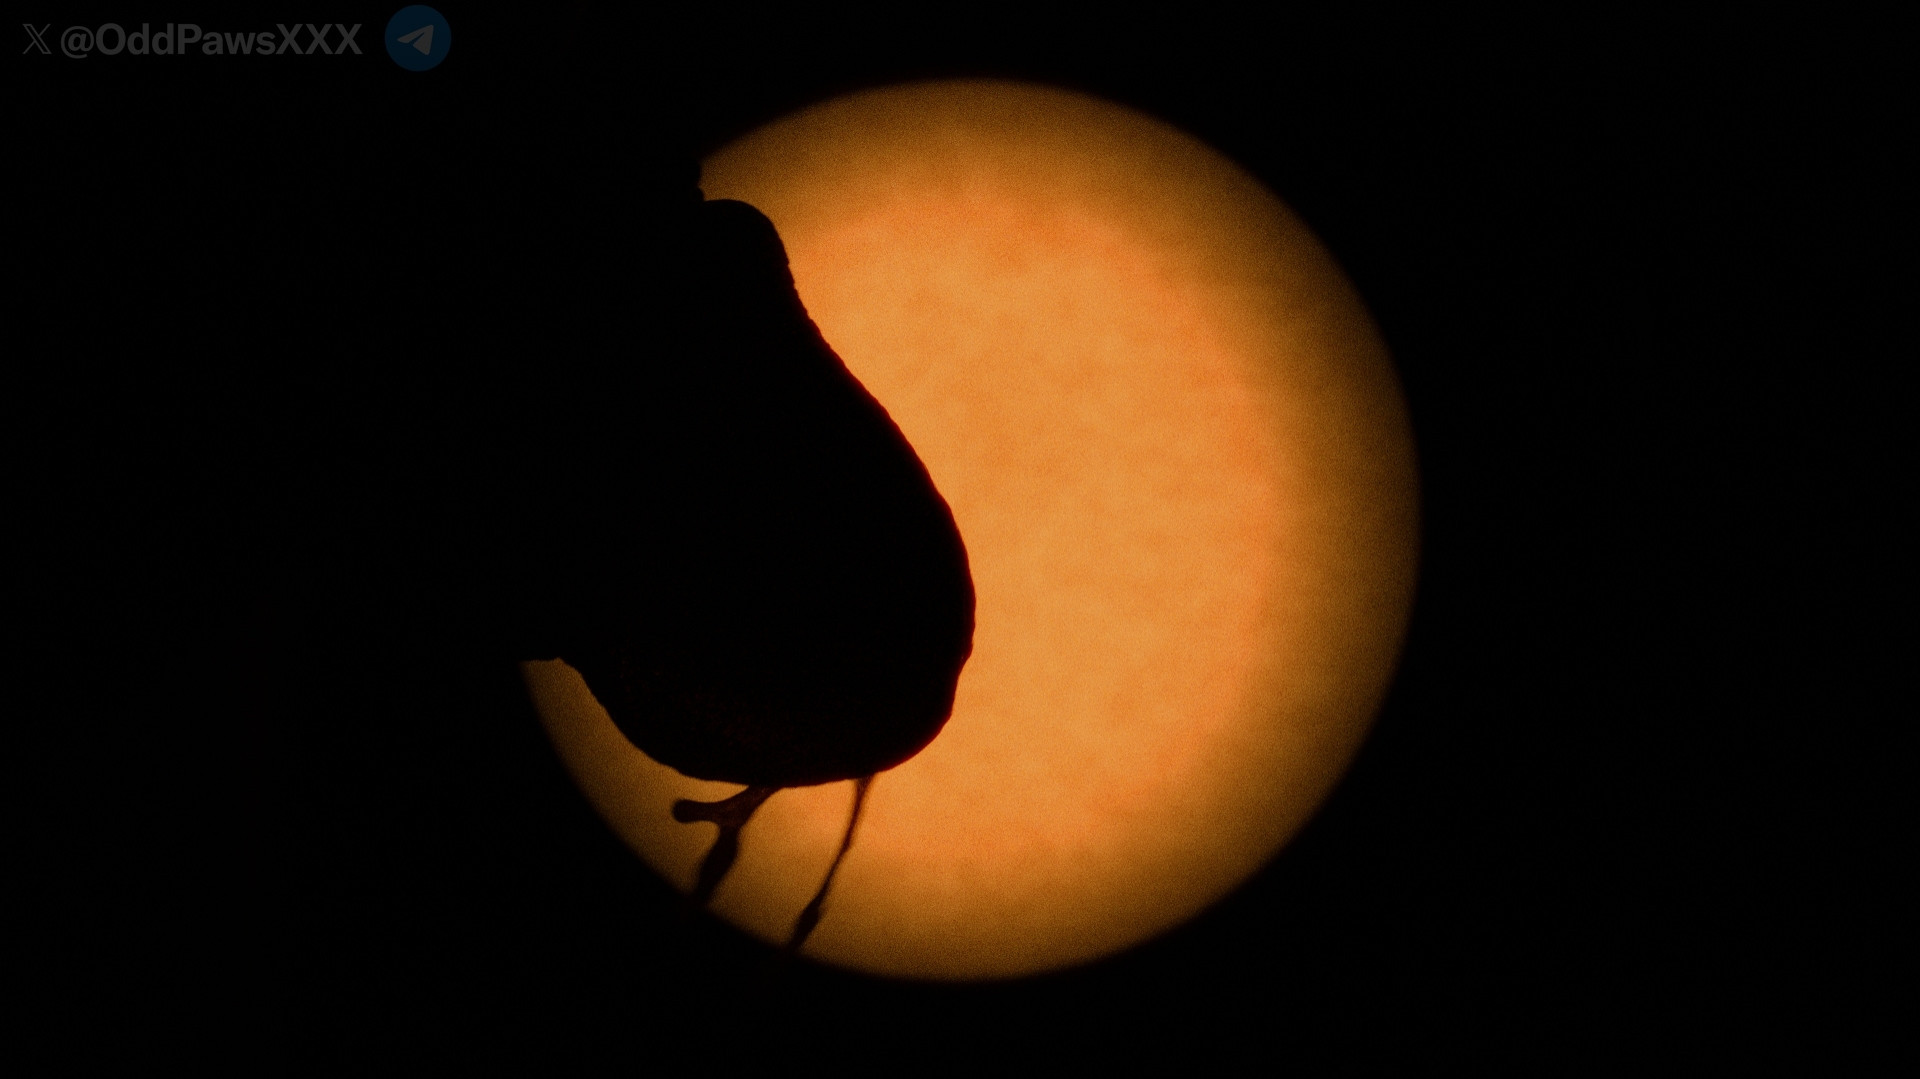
{"x":418,"y":37}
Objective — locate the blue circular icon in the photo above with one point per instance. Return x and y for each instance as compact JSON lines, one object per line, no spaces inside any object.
{"x":418,"y":38}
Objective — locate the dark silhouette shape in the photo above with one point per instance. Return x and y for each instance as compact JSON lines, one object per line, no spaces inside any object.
{"x":509,"y":389}
{"x":803,"y":605}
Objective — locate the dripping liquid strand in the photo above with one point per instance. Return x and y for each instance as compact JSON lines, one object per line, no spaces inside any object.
{"x":732,"y":814}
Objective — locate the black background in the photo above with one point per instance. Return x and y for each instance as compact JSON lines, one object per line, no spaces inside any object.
{"x":1614,"y":807}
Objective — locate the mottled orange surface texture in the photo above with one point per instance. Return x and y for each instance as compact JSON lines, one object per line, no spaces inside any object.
{"x":1181,"y":464}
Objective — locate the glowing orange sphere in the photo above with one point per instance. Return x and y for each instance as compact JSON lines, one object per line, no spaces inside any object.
{"x":1181,"y":463}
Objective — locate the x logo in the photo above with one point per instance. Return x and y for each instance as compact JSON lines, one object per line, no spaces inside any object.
{"x":37,"y":41}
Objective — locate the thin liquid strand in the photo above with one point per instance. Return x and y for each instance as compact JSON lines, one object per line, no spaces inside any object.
{"x":810,"y":917}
